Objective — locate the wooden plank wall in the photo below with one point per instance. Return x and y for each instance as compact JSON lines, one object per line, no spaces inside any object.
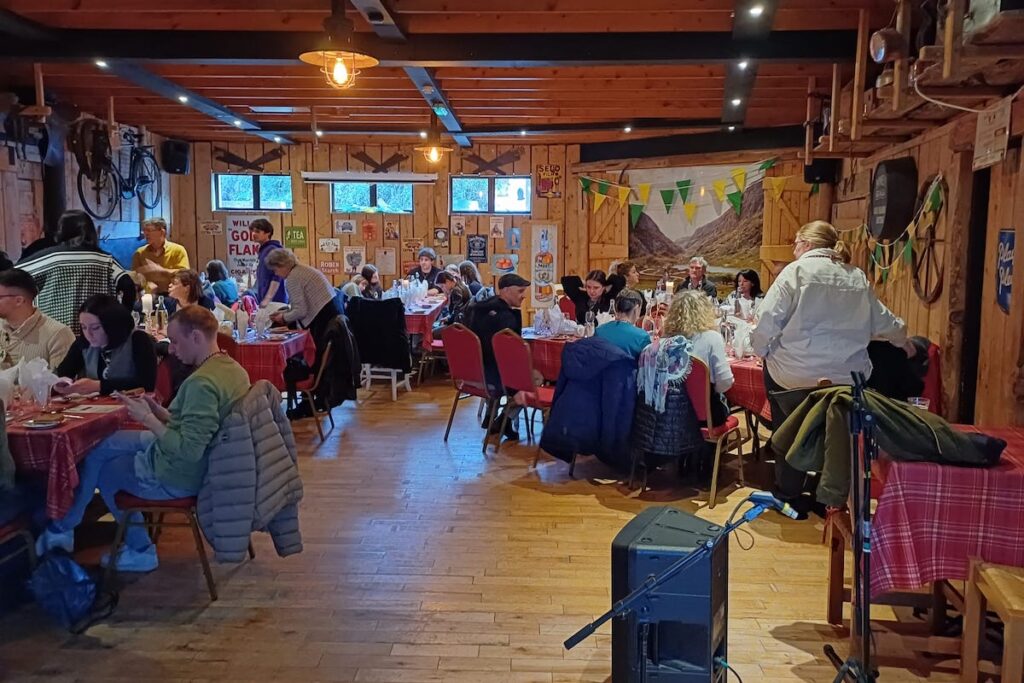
{"x":799,"y":204}
{"x":192,"y":201}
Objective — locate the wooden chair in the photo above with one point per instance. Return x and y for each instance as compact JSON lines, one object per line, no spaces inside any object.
{"x":466,"y":365}
{"x":999,"y":589}
{"x":308,"y":387}
{"x":515,"y":365}
{"x":726,"y":437}
{"x":372,"y":372}
{"x":19,"y":527}
{"x":153,"y":512}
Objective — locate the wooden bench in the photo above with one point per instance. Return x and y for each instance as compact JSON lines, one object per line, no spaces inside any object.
{"x":999,"y":589}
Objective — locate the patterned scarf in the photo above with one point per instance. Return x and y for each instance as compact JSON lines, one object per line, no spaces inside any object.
{"x":664,"y":361}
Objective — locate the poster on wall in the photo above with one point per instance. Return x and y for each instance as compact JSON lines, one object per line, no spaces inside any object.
{"x":369,"y":231}
{"x":329,"y":245}
{"x":502,"y":264}
{"x":514,"y":239}
{"x":243,"y":253}
{"x":445,"y":259}
{"x":211,"y":227}
{"x":543,"y":263}
{"x":391,"y":230}
{"x":549,"y":181}
{"x":295,"y":237}
{"x":330,"y":267}
{"x":1004,"y":268}
{"x":441,"y":237}
{"x":992,"y":134}
{"x":355,"y":259}
{"x":458,"y":226}
{"x":412,"y":245}
{"x":384,"y":259}
{"x":344,"y":226}
{"x":476,"y":248}
{"x":497,"y":228}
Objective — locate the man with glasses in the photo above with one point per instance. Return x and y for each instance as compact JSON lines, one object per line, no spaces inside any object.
{"x":160,"y":258}
{"x":25,"y":332}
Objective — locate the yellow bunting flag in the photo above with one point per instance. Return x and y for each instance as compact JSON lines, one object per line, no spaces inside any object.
{"x":776,"y":186}
{"x":719,"y":187}
{"x":623,"y":195}
{"x":598,"y":201}
{"x":739,"y":176}
{"x":644,"y":191}
{"x":691,"y":210}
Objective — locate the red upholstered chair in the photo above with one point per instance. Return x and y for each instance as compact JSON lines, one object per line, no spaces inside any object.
{"x":18,"y":527}
{"x":567,"y":307}
{"x":515,"y":365}
{"x":153,"y":512}
{"x":164,"y":383}
{"x":466,"y":365}
{"x":308,"y":387}
{"x":726,"y":437}
{"x":430,"y":358}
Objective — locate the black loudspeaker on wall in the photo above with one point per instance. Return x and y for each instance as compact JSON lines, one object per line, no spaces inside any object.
{"x":688,"y":622}
{"x":174,"y":157}
{"x":821,"y":171}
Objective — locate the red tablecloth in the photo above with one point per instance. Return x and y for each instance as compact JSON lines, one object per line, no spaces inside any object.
{"x":265,"y":358}
{"x":547,"y":354}
{"x":419,"y":320}
{"x":749,"y":391}
{"x":56,"y":452}
{"x":931,"y":518}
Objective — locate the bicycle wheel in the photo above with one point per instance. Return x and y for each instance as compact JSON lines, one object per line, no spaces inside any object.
{"x":145,"y":175}
{"x":101,"y":196}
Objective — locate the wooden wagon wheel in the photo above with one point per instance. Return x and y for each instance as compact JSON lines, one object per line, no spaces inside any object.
{"x":928,"y":267}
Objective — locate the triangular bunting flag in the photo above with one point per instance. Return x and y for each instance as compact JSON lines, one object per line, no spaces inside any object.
{"x":684,"y":189}
{"x":769,"y":163}
{"x":814,"y":189}
{"x":602,"y":187}
{"x":719,"y":187}
{"x":598,"y":201}
{"x":776,"y":186}
{"x":634,"y":214}
{"x":739,"y":176}
{"x":644,"y":192}
{"x":668,"y":197}
{"x":935,"y":199}
{"x":623,"y":195}
{"x":908,"y":252}
{"x":736,"y":199}
{"x":691,"y":211}
{"x":585,"y":184}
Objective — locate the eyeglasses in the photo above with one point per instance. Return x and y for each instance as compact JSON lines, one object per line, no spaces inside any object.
{"x":8,"y":296}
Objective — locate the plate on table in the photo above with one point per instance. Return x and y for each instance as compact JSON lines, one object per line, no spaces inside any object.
{"x":280,"y":330}
{"x":44,"y":422}
{"x":277,"y":336}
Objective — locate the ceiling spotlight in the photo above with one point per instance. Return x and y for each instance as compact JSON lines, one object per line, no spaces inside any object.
{"x":627,"y":129}
{"x":237,"y":123}
{"x":743,"y":65}
{"x":277,"y":138}
{"x":736,"y":101}
{"x":183,"y":98}
{"x":887,"y":45}
{"x":423,"y":134}
{"x":732,"y":128}
{"x":319,"y":133}
{"x":101,"y":64}
{"x":756,"y":10}
{"x":428,"y":90}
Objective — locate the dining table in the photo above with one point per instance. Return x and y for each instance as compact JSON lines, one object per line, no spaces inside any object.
{"x":266,"y":356}
{"x":54,"y":452}
{"x":420,"y":317}
{"x":546,"y":351}
{"x":748,"y":390}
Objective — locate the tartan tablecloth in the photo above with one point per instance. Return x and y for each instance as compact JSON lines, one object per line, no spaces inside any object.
{"x":421,"y":321}
{"x":547,"y":353}
{"x":56,"y":452}
{"x":265,"y":358}
{"x":931,"y":518}
{"x":748,"y":391}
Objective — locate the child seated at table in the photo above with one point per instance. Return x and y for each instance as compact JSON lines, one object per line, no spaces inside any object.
{"x":110,"y":354}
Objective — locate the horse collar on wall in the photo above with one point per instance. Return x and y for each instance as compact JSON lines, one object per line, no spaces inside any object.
{"x":382,"y":167}
{"x":495,"y":164}
{"x":232,"y":159}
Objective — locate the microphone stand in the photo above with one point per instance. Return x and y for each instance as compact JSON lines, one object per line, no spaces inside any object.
{"x":858,"y":667}
{"x":638,"y":599}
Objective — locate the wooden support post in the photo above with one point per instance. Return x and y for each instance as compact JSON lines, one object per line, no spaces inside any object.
{"x":39,"y":109}
{"x":809,"y":123}
{"x":899,"y":71}
{"x":859,"y":74}
{"x":312,"y":127}
{"x":115,"y":139}
{"x":836,"y":109}
{"x":952,"y":38}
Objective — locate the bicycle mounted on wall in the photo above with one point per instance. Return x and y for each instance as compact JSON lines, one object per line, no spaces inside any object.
{"x":101,"y":184}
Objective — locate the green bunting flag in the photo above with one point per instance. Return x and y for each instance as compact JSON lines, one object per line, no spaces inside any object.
{"x":935,"y":198}
{"x":814,"y":189}
{"x":668,"y":197}
{"x":684,"y":189}
{"x":765,"y":165}
{"x":908,"y":251}
{"x":585,"y":184}
{"x":634,"y":214}
{"x":602,"y":187}
{"x":736,"y":200}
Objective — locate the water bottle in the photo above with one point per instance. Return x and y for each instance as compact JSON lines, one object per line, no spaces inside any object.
{"x":161,"y":314}
{"x":737,"y":308}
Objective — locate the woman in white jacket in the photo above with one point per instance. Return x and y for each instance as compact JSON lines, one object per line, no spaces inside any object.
{"x":818,"y":316}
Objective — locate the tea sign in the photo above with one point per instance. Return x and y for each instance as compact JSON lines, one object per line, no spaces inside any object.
{"x":295,"y":237}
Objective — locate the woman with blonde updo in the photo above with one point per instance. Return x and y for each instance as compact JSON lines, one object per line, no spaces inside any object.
{"x":819,"y":315}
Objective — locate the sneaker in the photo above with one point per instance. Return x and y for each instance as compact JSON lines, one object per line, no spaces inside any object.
{"x":129,"y":560}
{"x":51,"y":538}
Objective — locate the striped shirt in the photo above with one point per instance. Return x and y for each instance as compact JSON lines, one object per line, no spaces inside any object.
{"x":67,"y":276}
{"x":309,"y":290}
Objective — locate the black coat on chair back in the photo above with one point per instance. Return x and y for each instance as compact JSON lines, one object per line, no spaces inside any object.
{"x":379,"y":329}
{"x":341,"y":378}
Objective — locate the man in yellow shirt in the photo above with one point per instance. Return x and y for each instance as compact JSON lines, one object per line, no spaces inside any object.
{"x":160,"y":259}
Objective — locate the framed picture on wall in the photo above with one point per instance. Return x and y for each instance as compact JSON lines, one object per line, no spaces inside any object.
{"x":355,"y":259}
{"x":441,"y":237}
{"x":384,"y":259}
{"x":391,"y":230}
{"x":329,"y":245}
{"x":369,"y":231}
{"x":344,"y":226}
{"x":458,"y":226}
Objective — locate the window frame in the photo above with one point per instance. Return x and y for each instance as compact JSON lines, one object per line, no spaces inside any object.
{"x":373,"y":196}
{"x":491,"y":180}
{"x":255,"y":192}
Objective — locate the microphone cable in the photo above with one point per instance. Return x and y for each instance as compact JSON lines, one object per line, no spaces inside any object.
{"x":720,"y":661}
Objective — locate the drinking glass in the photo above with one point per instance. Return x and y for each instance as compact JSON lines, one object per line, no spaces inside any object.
{"x":920,"y":402}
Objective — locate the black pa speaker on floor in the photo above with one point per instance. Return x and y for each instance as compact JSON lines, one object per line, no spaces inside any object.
{"x":688,"y":621}
{"x":821,"y":171}
{"x":174,"y":157}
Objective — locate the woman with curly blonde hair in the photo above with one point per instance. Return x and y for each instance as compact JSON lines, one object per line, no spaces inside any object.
{"x":692,"y":317}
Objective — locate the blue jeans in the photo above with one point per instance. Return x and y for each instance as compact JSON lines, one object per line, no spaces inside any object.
{"x":110,"y":467}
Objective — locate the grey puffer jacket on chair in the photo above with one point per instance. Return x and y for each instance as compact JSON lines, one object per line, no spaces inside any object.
{"x":252,"y":482}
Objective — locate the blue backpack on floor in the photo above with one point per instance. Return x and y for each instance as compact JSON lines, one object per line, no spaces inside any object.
{"x":62,"y":588}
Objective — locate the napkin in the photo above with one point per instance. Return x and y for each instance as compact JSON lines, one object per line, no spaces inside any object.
{"x":222,"y":313}
{"x":242,"y":320}
{"x":35,"y":374}
{"x":8,"y":378}
{"x":603,"y":318}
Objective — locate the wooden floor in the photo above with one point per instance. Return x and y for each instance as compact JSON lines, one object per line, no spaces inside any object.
{"x":425,"y":562}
